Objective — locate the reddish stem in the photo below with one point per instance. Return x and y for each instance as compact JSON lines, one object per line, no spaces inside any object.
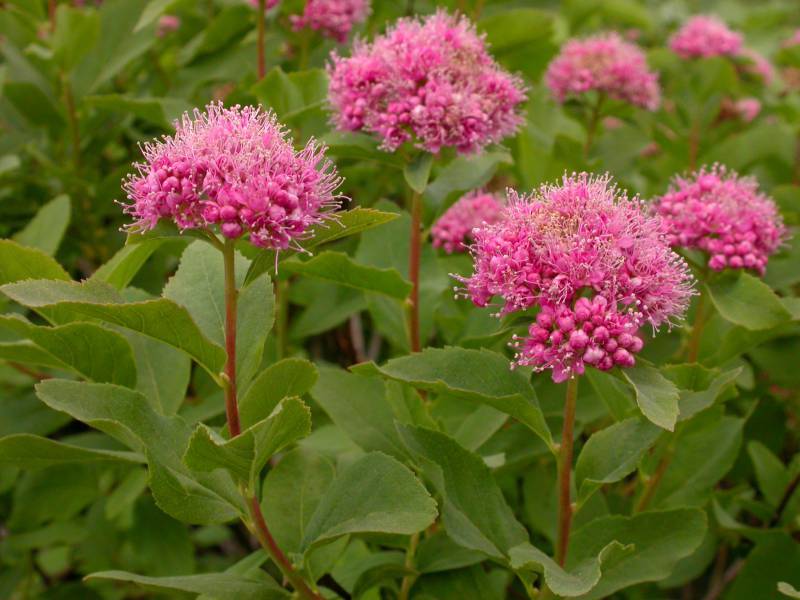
{"x":653,"y":482}
{"x":564,"y":472}
{"x":413,"y":271}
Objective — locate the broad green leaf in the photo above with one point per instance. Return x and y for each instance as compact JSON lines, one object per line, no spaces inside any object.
{"x":28,"y":353}
{"x":220,"y":585}
{"x":75,"y":35}
{"x":125,"y":264}
{"x":418,"y":171}
{"x":153,"y":10}
{"x":775,"y":558}
{"x":19,"y":262}
{"x":288,"y":377}
{"x":292,"y":94}
{"x":618,"y":397}
{"x":698,"y":387}
{"x":437,"y":552}
{"x":31,"y":451}
{"x":375,"y":494}
{"x":746,"y":301}
{"x":465,"y":173}
{"x":656,"y":395}
{"x":474,"y":512}
{"x":360,"y":147}
{"x":158,"y":111}
{"x":161,"y":319}
{"x":772,"y":476}
{"x":47,"y":228}
{"x":479,"y":376}
{"x":162,"y":372}
{"x":358,"y":406}
{"x":245,"y":455}
{"x":340,"y":225}
{"x":92,"y":351}
{"x":126,"y":415}
{"x":23,"y":412}
{"x":474,"y":583}
{"x":339,"y":268}
{"x":659,"y":539}
{"x":612,"y":454}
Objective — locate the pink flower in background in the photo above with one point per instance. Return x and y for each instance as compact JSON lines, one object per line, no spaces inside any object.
{"x":455,"y":226}
{"x":703,"y":36}
{"x":167,"y":24}
{"x":233,"y":167}
{"x":606,"y":64}
{"x":431,"y":82}
{"x":758,"y":65}
{"x":595,"y":262}
{"x":748,"y":109}
{"x":332,"y":18}
{"x":724,"y":215}
{"x":793,"y":40}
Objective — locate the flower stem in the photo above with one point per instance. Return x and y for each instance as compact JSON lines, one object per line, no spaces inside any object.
{"x":262,"y":65}
{"x":652,"y":484}
{"x":259,"y":525}
{"x":408,"y":580}
{"x":415,"y":247}
{"x":564,"y":472}
{"x":700,"y":318}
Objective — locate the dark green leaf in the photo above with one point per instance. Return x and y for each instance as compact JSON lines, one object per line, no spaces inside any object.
{"x":289,"y":377}
{"x":31,"y":452}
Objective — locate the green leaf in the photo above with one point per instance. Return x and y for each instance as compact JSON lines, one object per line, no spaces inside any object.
{"x":245,"y":455}
{"x":47,"y":228}
{"x":153,"y":10}
{"x":18,"y":263}
{"x":698,"y":387}
{"x":660,"y":539}
{"x":375,"y":494}
{"x":292,"y":94}
{"x":288,"y":377}
{"x":125,"y":264}
{"x":465,"y":173}
{"x":745,"y":300}
{"x":221,"y":585}
{"x":479,"y":376}
{"x":418,"y":171}
{"x":161,"y":319}
{"x":656,"y":395}
{"x":126,"y":415}
{"x":474,"y":512}
{"x":612,"y":454}
{"x":776,"y":558}
{"x":90,"y":350}
{"x":773,"y":478}
{"x":31,"y":452}
{"x":339,"y":268}
{"x":358,"y":406}
{"x":162,"y":372}
{"x":340,"y":225}
{"x":75,"y":35}
{"x":162,"y":112}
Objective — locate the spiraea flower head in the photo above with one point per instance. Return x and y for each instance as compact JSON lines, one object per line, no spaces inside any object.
{"x":332,"y":18}
{"x":595,"y":262}
{"x":454,"y":228}
{"x":725,"y":215}
{"x":235,"y":168}
{"x":757,"y":65}
{"x":606,"y":64}
{"x":704,"y":36}
{"x":429,"y":81}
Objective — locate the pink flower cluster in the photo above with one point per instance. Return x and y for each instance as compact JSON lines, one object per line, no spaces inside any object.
{"x":606,"y":64}
{"x":595,"y":262}
{"x":332,"y":18}
{"x":233,"y":167}
{"x":167,"y":24}
{"x":793,"y":40}
{"x":455,"y":226}
{"x":704,"y":36}
{"x":428,"y":81}
{"x":758,"y":66}
{"x":724,"y":215}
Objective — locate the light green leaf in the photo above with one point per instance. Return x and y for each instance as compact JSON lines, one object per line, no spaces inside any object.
{"x":125,"y":264}
{"x":220,"y":585}
{"x":161,"y":319}
{"x":292,"y":94}
{"x":75,"y":35}
{"x":418,"y":171}
{"x":90,"y":350}
{"x":465,"y":173}
{"x":162,"y":370}
{"x":656,"y":395}
{"x":288,"y":377}
{"x":747,"y":301}
{"x":47,"y":228}
{"x":339,"y":268}
{"x":159,"y":111}
{"x":153,"y":10}
{"x":788,"y":590}
{"x":474,"y":512}
{"x":375,"y":494}
{"x":18,"y":263}
{"x":31,"y":452}
{"x":479,"y":376}
{"x":612,"y":454}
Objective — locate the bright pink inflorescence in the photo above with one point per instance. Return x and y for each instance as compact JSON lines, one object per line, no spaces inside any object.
{"x":724,"y":215}
{"x":704,"y":36}
{"x":233,"y":167}
{"x":606,"y":64}
{"x":332,"y":18}
{"x":429,"y":81}
{"x":596,"y":263}
{"x":455,"y":226}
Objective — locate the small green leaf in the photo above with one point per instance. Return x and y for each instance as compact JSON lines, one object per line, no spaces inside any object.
{"x":788,"y":590}
{"x":46,"y":230}
{"x":292,"y":94}
{"x":125,"y":264}
{"x":75,"y":35}
{"x":19,"y":262}
{"x":747,"y":301}
{"x":31,"y":452}
{"x":656,"y":395}
{"x":375,"y":494}
{"x":288,"y":377}
{"x":465,"y":173}
{"x":418,"y":171}
{"x":773,"y":478}
{"x":698,"y":387}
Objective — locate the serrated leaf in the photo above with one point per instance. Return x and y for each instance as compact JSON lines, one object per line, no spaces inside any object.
{"x":288,"y":377}
{"x":46,"y":230}
{"x":375,"y":494}
{"x":31,"y":452}
{"x":479,"y":376}
{"x":18,"y":262}
{"x":746,"y":301}
{"x":656,"y":395}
